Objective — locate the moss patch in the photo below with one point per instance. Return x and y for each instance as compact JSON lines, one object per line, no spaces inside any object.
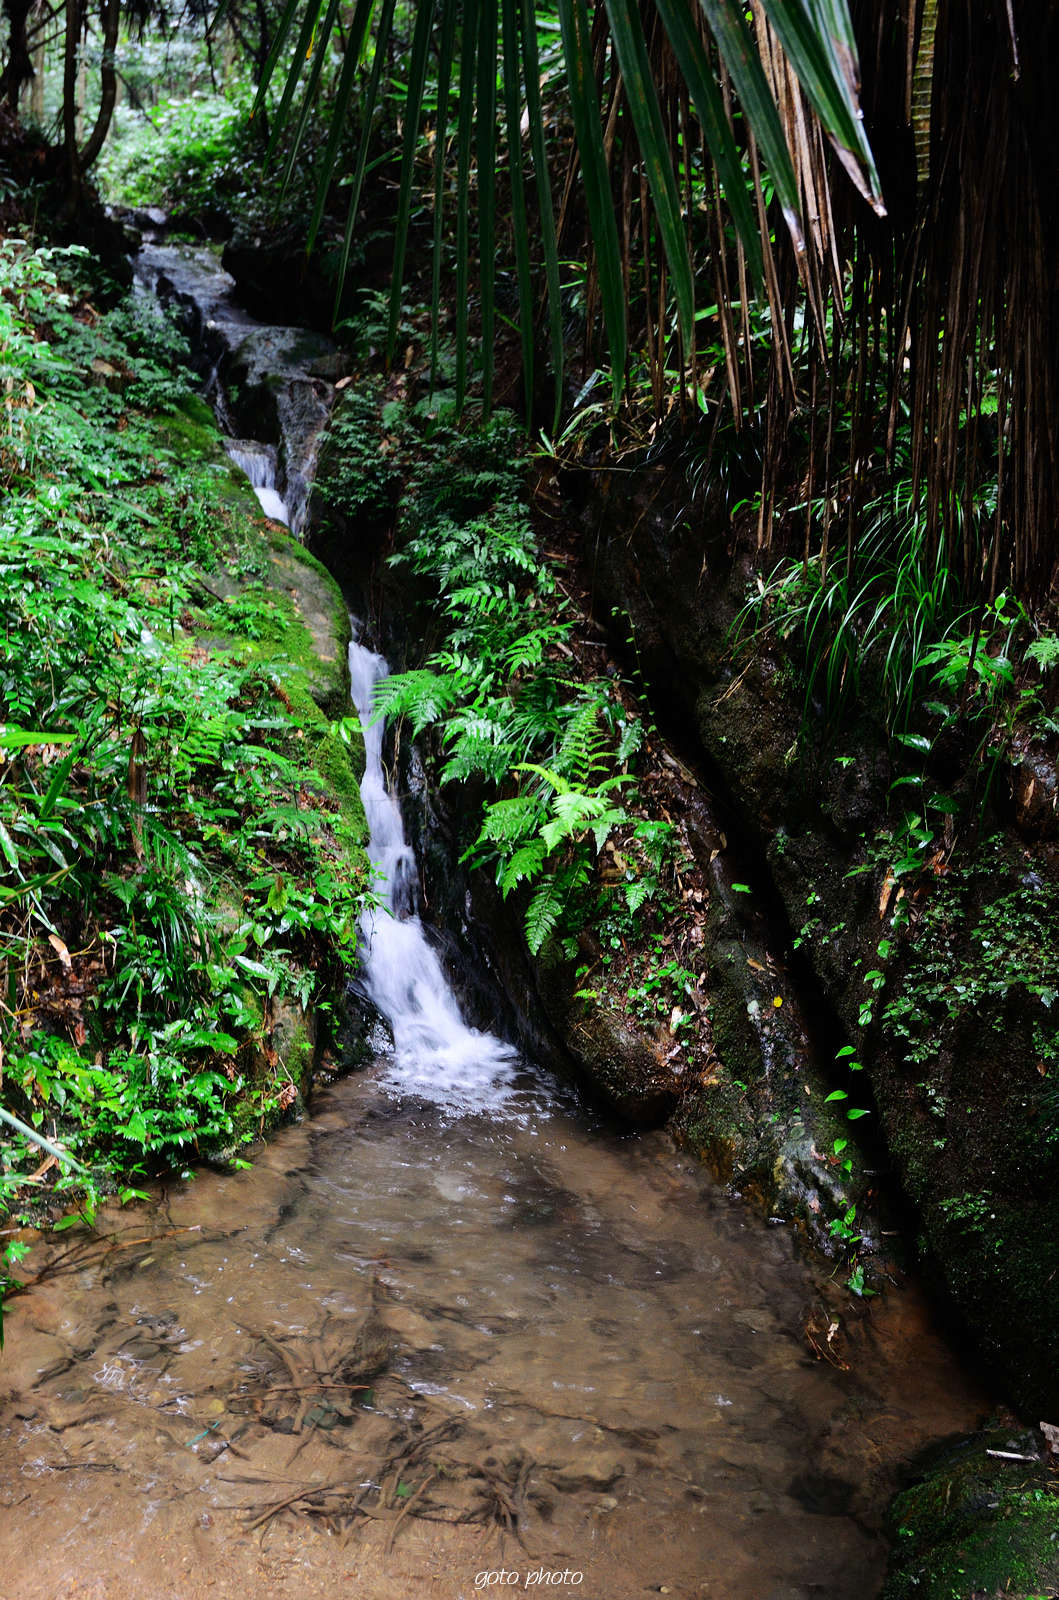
{"x":976,"y":1526}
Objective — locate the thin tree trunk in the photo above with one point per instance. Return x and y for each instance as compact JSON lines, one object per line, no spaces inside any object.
{"x":36,"y":91}
{"x":108,"y":97}
{"x":70,"y":54}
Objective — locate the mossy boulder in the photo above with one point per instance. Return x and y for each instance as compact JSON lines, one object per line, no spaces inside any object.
{"x":272,"y":602}
{"x":981,"y":1522}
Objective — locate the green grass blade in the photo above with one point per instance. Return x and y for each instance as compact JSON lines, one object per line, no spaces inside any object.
{"x":358,"y":32}
{"x":371,"y":95}
{"x":519,"y":224}
{"x":468,"y":46}
{"x":486,"y":157}
{"x":546,"y":213}
{"x":585,"y":108}
{"x":698,"y":74}
{"x":631,"y":49}
{"x":417,"y":74}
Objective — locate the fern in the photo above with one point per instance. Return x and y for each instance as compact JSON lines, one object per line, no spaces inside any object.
{"x":1045,"y":651}
{"x":525,"y":865}
{"x":630,"y":741}
{"x":423,"y":695}
{"x":582,"y":749}
{"x":637,"y":891}
{"x":542,"y":914}
{"x":510,"y":821}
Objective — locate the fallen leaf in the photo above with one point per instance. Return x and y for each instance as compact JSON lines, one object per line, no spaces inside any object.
{"x":61,"y":951}
{"x":887,"y":891}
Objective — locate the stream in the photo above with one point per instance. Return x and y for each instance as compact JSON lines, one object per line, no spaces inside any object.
{"x":453,"y":1334}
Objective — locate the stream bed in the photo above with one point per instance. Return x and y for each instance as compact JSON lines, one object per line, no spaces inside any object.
{"x":452,"y":1335}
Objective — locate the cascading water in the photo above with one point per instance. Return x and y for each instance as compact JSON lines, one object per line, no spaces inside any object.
{"x":437,"y":1057}
{"x":258,"y":461}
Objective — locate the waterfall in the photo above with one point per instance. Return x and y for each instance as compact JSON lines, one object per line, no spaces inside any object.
{"x":258,"y":461}
{"x":438,"y":1057}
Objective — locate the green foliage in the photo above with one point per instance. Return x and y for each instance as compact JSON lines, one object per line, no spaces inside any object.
{"x":200,"y":154}
{"x":978,"y":956}
{"x":889,"y":609}
{"x":493,"y":61}
{"x":552,"y":750}
{"x":172,"y":862}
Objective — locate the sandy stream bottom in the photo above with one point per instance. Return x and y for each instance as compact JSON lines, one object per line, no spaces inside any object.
{"x":406,"y":1354}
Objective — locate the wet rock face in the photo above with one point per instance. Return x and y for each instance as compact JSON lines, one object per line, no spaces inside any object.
{"x":272,"y":383}
{"x":1034,"y":790}
{"x":277,"y":281}
{"x":964,"y":1106}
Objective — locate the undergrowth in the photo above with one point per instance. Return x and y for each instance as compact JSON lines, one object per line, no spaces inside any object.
{"x":562,"y":821}
{"x":889,"y":620}
{"x":172,"y":865}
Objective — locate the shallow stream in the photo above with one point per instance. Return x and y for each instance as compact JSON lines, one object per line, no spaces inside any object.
{"x":453,"y":1335}
{"x":448,"y":1327}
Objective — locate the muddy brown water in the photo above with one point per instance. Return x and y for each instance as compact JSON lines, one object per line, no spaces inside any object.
{"x":401,"y":1318}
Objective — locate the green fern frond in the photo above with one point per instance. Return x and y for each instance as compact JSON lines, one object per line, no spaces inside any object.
{"x":477,"y":755}
{"x":631,"y":739}
{"x":636,"y":892}
{"x":423,"y":695}
{"x":573,"y":812}
{"x":506,"y":821}
{"x":525,"y":865}
{"x":581,"y":749}
{"x":542,"y":914}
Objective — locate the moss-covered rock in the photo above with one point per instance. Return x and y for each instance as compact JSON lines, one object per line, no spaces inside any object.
{"x":980,"y":1523}
{"x":275,"y":603}
{"x":939,"y":975}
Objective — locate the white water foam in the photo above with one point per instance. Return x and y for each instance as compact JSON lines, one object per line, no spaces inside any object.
{"x":437,"y":1056}
{"x":258,"y":461}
